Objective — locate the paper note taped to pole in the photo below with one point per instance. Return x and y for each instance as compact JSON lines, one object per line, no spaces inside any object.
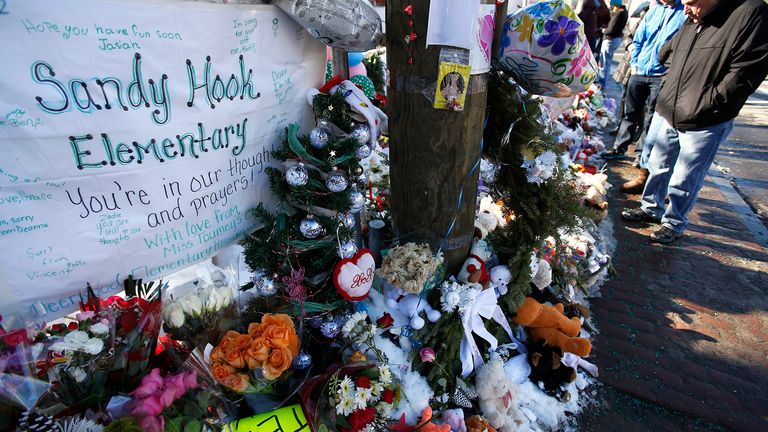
{"x":135,"y":136}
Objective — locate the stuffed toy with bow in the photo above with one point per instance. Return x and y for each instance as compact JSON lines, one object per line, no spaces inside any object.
{"x":474,"y":269}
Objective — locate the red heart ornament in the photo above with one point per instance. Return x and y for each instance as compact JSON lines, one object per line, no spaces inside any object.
{"x":353,"y":277}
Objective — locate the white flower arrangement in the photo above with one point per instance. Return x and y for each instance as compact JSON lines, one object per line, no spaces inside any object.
{"x":410,"y":266}
{"x":542,"y":168}
{"x":345,"y":406}
{"x":99,"y":329}
{"x":385,"y":375}
{"x":455,"y":296}
{"x":354,"y":327}
{"x":79,"y":340}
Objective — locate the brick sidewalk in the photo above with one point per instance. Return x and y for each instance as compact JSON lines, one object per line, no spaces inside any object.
{"x":685,"y":326}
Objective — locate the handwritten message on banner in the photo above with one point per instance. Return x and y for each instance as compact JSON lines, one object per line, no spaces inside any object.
{"x":134,"y":137}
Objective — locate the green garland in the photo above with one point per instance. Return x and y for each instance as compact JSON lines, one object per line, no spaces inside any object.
{"x":539,"y":211}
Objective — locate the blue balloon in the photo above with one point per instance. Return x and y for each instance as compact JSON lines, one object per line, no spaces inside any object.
{"x":355,"y":58}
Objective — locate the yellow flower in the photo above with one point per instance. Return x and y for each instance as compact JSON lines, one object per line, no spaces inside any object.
{"x":525,"y":28}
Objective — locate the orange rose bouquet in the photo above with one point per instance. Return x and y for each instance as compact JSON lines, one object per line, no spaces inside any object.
{"x":250,"y":363}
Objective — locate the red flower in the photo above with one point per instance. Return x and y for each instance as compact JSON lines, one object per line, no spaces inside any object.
{"x":15,"y":337}
{"x":360,"y":418}
{"x":388,"y":396}
{"x":385,"y":321}
{"x":72,"y":326}
{"x":363,"y":382}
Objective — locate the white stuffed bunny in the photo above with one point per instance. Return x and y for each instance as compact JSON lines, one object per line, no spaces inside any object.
{"x":411,"y":305}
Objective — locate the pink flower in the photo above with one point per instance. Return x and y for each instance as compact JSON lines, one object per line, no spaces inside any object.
{"x":176,"y":383}
{"x":150,"y":384}
{"x":151,"y":407}
{"x":190,"y":380}
{"x":169,"y":396}
{"x":152,"y":424}
{"x":82,"y":316}
{"x":427,"y":355}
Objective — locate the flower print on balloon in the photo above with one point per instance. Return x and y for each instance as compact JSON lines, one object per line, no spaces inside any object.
{"x":544,"y":49}
{"x":579,"y":63}
{"x":560,"y":34}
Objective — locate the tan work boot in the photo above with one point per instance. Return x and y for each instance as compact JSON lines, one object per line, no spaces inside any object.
{"x":636,"y":186}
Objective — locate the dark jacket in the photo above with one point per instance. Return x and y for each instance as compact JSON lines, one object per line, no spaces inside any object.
{"x":588,"y":15}
{"x":714,"y":65}
{"x":616,"y":24}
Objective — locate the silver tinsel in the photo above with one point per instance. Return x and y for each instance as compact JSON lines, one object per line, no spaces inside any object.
{"x":310,"y":227}
{"x":363,"y":151}
{"x":330,"y":329}
{"x":336,"y":181}
{"x":302,"y":361}
{"x":347,"y":219}
{"x":488,"y":171}
{"x":297,"y":175}
{"x":319,"y":137}
{"x":356,"y":200}
{"x":348,"y":249}
{"x":361,"y":133}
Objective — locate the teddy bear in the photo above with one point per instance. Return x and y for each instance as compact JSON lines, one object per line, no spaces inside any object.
{"x":490,"y":215}
{"x":546,"y":366}
{"x":478,"y":424}
{"x":411,"y":305}
{"x":474,"y":269}
{"x":550,"y":323}
{"x":500,"y":277}
{"x":496,"y":398}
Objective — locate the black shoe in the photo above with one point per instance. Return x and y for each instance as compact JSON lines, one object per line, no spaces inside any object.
{"x":612,"y":154}
{"x":665,"y":235}
{"x":638,"y":215}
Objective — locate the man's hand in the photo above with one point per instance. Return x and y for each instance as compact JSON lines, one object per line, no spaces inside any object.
{"x":633,"y":70}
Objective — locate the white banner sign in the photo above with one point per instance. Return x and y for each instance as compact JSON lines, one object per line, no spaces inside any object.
{"x":134,"y":137}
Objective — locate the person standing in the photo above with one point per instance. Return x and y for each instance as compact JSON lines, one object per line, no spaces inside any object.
{"x":717,"y":60}
{"x":587,"y":10}
{"x":658,"y":27}
{"x":612,"y":39}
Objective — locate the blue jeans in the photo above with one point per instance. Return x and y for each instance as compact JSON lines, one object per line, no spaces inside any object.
{"x":678,"y":163}
{"x":639,"y":105}
{"x":606,"y":59}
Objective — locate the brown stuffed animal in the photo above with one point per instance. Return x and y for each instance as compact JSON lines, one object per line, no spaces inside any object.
{"x":478,"y":424}
{"x":549,"y":323}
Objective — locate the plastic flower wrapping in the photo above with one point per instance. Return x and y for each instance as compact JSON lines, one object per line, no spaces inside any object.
{"x":545,"y":50}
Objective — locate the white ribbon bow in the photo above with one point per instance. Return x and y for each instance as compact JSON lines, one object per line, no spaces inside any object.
{"x":484,"y":306}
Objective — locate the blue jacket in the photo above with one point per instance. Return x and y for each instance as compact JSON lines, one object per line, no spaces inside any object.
{"x":659,"y":25}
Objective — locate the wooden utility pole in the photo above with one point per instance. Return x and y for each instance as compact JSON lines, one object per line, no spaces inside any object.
{"x":431,"y":150}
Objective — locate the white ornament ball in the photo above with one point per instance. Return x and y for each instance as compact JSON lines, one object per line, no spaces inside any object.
{"x":336,"y":181}
{"x":356,"y":200}
{"x":347,"y":219}
{"x":348,"y":249}
{"x":319,"y":137}
{"x":297,"y":175}
{"x":361,"y":133}
{"x":363,"y":151}
{"x":310,"y":227}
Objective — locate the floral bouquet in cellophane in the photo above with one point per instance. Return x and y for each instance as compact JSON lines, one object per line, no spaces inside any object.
{"x":110,"y":342}
{"x":255,"y":362}
{"x":203,"y":314}
{"x":355,"y":398}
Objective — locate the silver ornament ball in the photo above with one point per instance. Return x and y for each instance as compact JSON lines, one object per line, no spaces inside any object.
{"x":363,"y":151}
{"x":319,"y":137}
{"x":356,"y":200}
{"x":336,"y":181}
{"x":348,"y":249}
{"x":347,"y":219}
{"x":266,"y":286}
{"x":330,"y":329}
{"x":302,"y":361}
{"x":310,"y":227}
{"x":297,"y":175}
{"x":361,"y":133}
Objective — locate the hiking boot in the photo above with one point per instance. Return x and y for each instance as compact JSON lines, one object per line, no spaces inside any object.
{"x":636,"y":185}
{"x":638,"y":215}
{"x":665,"y":235}
{"x":612,"y":154}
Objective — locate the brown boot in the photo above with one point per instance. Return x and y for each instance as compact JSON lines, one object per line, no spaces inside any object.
{"x":636,"y":186}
